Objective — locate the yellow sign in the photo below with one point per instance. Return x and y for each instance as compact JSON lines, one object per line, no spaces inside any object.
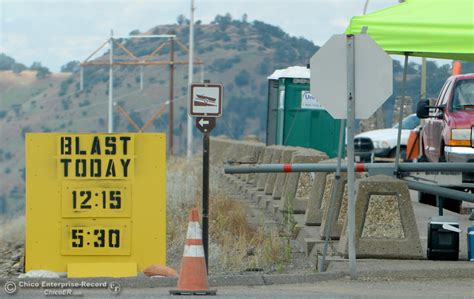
{"x":95,"y":199}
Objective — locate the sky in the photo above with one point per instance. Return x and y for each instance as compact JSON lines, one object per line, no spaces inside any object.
{"x":55,"y":32}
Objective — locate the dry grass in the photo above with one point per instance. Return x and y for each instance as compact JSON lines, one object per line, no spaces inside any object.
{"x":242,"y":246}
{"x":234,"y":244}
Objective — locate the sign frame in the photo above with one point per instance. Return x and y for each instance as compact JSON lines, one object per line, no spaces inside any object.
{"x":94,"y":213}
{"x":210,"y":88}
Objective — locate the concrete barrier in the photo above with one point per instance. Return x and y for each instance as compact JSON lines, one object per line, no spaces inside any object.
{"x":257,"y":156}
{"x":271,"y":177}
{"x":219,"y":148}
{"x":289,"y":200}
{"x":315,"y":208}
{"x":281,"y":177}
{"x":340,"y":206}
{"x":262,"y":177}
{"x":385,"y":221}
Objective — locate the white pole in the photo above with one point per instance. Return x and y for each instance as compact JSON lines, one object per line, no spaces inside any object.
{"x":141,"y":77}
{"x":202,"y":73}
{"x":111,"y":84}
{"x":82,"y":78}
{"x":365,"y":7}
{"x":350,"y":154}
{"x":190,"y":80}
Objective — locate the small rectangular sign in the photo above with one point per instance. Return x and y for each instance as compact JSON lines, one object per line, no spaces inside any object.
{"x":206,"y":100}
{"x":308,"y":101}
{"x":82,"y":200}
{"x":96,"y":237}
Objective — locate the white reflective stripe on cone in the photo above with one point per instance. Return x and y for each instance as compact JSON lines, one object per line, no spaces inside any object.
{"x":193,"y":251}
{"x":194,"y":231}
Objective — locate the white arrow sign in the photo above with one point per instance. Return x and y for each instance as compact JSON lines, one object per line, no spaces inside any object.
{"x":203,"y":122}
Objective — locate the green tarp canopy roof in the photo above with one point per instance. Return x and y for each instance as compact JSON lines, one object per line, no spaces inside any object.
{"x":425,"y":28}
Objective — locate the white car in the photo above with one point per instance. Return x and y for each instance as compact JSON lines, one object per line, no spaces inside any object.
{"x":383,"y":142}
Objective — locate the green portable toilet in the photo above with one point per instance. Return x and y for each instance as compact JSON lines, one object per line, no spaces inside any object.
{"x":295,"y":117}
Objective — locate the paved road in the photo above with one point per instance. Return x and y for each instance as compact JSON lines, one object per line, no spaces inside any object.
{"x":342,"y":288}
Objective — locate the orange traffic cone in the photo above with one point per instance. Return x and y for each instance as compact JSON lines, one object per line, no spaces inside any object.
{"x":193,"y":275}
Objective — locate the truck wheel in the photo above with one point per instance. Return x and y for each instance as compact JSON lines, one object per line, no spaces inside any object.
{"x":427,"y":198}
{"x":452,"y":205}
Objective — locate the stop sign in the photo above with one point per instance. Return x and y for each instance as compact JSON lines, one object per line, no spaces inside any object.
{"x":373,"y":76}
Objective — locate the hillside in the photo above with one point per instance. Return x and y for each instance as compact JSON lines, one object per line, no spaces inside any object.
{"x":236,"y":53}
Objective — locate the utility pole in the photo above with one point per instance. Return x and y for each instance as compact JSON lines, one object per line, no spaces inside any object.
{"x":189,"y":151}
{"x":423,"y":79}
{"x":141,"y":77}
{"x":170,"y":118}
{"x":111,"y":83}
{"x":81,"y":85}
{"x":140,"y":61}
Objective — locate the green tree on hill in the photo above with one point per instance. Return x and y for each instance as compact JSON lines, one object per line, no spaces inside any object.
{"x":71,"y":67}
{"x":9,"y":64}
{"x":41,"y":71}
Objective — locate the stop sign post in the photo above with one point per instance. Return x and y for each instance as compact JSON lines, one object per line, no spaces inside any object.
{"x":351,"y":76}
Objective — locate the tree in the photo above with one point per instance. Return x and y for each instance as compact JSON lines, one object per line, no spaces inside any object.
{"x":18,"y":68}
{"x":242,"y":78}
{"x":71,"y":67}
{"x":6,"y":62}
{"x":223,"y":21}
{"x":181,"y":20}
{"x":35,"y":66}
{"x":41,"y":71}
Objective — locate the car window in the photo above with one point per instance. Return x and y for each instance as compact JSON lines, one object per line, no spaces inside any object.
{"x":442,"y":92}
{"x":447,"y":93}
{"x":463,"y":97}
{"x":409,"y":123}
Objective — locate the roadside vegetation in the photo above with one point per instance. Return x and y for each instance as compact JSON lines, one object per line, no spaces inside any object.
{"x":235,"y":245}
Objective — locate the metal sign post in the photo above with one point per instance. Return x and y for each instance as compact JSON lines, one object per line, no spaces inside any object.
{"x":350,"y":153}
{"x":205,"y":105}
{"x":205,"y":197}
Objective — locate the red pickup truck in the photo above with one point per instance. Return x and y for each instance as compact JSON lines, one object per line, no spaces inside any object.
{"x":448,"y":133}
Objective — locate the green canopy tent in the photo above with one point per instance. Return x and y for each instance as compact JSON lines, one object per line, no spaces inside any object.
{"x":424,"y":28}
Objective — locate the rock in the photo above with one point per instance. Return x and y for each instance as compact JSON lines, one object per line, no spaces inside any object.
{"x":39,"y":274}
{"x":159,"y":270}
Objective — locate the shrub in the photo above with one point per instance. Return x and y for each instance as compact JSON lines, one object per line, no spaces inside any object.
{"x":242,"y":78}
{"x":71,"y":67}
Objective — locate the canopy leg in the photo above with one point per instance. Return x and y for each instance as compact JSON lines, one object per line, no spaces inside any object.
{"x":400,"y":119}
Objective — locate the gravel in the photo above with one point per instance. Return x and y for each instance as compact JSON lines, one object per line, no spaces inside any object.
{"x":11,"y":259}
{"x":304,"y":185}
{"x":383,"y":218}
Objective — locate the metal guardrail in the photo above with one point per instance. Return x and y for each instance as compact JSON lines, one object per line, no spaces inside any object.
{"x":359,"y":167}
{"x":382,"y":168}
